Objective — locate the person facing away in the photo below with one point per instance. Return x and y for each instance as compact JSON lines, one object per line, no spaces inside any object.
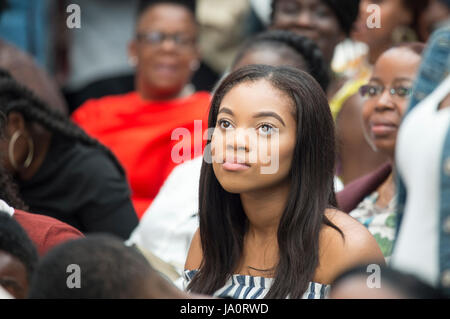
{"x":108,"y":270}
{"x":328,"y":23}
{"x":169,"y":223}
{"x":60,"y":171}
{"x":18,"y":257}
{"x":267,"y":229}
{"x":139,"y":126}
{"x":387,"y":96}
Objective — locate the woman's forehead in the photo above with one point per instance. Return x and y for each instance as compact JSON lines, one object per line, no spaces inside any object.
{"x":254,"y":96}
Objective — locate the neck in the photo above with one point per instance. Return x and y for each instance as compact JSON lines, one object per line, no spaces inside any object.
{"x":264,"y":209}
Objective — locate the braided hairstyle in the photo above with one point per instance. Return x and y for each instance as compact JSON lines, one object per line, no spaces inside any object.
{"x":303,"y":46}
{"x":16,"y":97}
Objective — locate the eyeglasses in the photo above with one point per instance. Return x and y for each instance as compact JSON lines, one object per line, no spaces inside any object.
{"x":371,"y":91}
{"x":157,"y":38}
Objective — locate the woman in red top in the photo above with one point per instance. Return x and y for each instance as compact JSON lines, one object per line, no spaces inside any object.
{"x":140,"y":127}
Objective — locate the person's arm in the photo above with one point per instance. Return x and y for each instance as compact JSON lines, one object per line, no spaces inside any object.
{"x":338,"y":254}
{"x":195,"y":254}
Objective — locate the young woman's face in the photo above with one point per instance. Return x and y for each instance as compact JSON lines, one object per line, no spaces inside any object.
{"x":254,"y":138}
{"x":165,"y":49}
{"x":392,"y":14}
{"x":311,"y":18}
{"x":387,"y":96}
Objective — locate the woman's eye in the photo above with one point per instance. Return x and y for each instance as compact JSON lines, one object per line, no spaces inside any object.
{"x":265,"y":129}
{"x":373,"y":91}
{"x":403,"y":91}
{"x":224,"y":124}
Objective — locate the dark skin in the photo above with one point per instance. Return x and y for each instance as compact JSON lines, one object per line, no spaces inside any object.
{"x":393,"y":14}
{"x":163,"y":70}
{"x":40,"y":138}
{"x":435,"y":13}
{"x":13,"y":275}
{"x":315,"y":19}
{"x":264,"y":197}
{"x":382,"y":114}
{"x":445,"y":103}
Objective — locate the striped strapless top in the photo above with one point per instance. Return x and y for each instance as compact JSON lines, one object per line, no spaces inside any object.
{"x":250,"y":287}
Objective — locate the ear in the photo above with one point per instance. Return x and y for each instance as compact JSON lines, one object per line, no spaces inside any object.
{"x":15,"y":121}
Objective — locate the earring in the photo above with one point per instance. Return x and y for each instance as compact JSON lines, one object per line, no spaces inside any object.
{"x":403,"y":34}
{"x":12,"y":144}
{"x":195,"y":65}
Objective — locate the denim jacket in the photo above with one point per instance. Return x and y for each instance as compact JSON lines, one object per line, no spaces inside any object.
{"x":433,"y":70}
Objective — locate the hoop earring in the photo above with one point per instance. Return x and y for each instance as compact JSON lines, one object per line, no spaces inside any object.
{"x":12,"y":144}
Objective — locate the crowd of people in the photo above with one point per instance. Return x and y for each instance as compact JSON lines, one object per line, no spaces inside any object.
{"x":317,"y":157}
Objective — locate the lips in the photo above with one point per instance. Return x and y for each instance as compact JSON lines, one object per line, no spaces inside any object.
{"x":165,"y":69}
{"x":234,"y":164}
{"x":383,"y":128}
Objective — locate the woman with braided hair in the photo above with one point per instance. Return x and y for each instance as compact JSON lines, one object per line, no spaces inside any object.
{"x":61,"y":171}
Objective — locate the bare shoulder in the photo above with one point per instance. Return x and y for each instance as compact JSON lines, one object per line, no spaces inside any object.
{"x":357,"y":246}
{"x":195,"y":254}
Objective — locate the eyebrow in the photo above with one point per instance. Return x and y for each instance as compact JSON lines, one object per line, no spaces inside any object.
{"x":271,"y":114}
{"x":257,"y":115}
{"x":225,"y":110}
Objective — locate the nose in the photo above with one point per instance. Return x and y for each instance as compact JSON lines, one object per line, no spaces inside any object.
{"x":168,"y":44}
{"x":304,"y":19}
{"x":385,"y":101}
{"x":237,"y":141}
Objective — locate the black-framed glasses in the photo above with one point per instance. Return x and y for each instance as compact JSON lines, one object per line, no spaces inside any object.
{"x":156,"y":38}
{"x":370,"y":91}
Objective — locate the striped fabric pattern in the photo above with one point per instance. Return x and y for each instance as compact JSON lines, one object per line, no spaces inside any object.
{"x":249,"y":287}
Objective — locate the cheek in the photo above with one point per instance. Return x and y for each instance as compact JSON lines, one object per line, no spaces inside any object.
{"x":367,"y":110}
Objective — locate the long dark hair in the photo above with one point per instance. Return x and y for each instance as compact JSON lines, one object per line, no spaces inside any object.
{"x":223,"y":223}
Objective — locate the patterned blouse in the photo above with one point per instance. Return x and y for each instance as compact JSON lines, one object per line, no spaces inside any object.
{"x":250,"y":287}
{"x":381,"y":222}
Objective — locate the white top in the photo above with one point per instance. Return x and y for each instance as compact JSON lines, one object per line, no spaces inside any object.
{"x":168,"y":225}
{"x":6,"y":208}
{"x":418,"y":159}
{"x":4,"y":294}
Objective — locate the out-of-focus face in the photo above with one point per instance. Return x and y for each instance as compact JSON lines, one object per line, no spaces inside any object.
{"x":392,"y":15}
{"x":243,"y":162}
{"x":268,"y":55}
{"x":436,"y":12}
{"x":311,"y":18}
{"x":13,"y":275}
{"x":387,"y":96}
{"x":165,"y":50}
